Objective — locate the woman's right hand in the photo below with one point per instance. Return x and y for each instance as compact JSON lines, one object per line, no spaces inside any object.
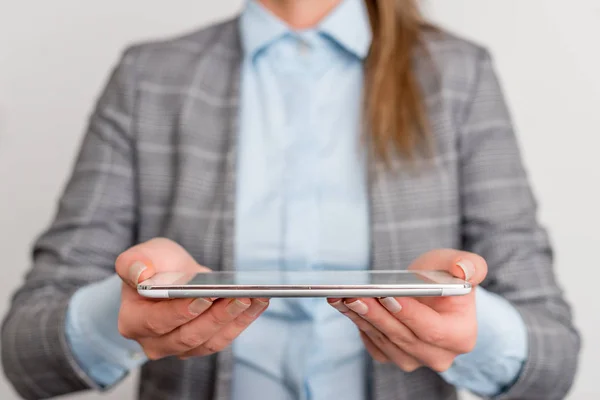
{"x":177,"y":327}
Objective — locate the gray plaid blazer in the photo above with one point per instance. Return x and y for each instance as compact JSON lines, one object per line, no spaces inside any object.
{"x":159,"y":160}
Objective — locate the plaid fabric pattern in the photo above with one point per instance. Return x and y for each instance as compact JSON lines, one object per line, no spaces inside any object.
{"x":158,"y":159}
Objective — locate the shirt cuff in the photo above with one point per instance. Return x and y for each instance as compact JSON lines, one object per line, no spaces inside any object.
{"x":93,"y":335}
{"x":500,"y":352}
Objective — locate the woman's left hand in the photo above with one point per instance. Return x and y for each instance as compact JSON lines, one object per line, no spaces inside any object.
{"x":416,"y":332}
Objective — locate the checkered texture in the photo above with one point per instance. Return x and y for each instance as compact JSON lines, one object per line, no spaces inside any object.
{"x":158,"y":159}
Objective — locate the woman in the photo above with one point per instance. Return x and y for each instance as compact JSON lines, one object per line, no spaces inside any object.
{"x":303,"y":134}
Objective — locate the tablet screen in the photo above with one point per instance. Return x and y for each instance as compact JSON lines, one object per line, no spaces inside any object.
{"x":302,"y":278}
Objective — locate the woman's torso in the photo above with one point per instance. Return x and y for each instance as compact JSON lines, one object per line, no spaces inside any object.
{"x":185,"y":135}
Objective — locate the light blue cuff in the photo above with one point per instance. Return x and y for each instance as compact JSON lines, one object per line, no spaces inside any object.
{"x":92,"y":332}
{"x":501,"y":349}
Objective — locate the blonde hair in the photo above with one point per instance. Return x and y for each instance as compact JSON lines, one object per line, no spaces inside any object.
{"x":395,"y":111}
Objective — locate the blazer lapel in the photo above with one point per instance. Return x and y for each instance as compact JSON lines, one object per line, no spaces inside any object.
{"x":232,"y":39}
{"x":401,"y":231}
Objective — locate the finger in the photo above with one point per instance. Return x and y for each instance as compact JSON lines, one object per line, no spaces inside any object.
{"x":424,"y":322}
{"x":470,"y":267}
{"x":148,"y":318}
{"x":197,"y":332}
{"x":402,"y":359}
{"x":373,"y":349}
{"x":338,"y":304}
{"x":141,"y":261}
{"x":374,"y":313}
{"x":135,"y":272}
{"x":399,"y":357}
{"x":461,"y":264}
{"x":399,"y":335}
{"x":444,"y":331}
{"x":382,"y":345}
{"x":222,"y":339}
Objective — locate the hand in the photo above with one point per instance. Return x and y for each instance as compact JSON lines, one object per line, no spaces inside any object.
{"x":177,"y":327}
{"x":430,"y":331}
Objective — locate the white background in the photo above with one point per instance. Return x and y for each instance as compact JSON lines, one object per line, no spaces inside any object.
{"x":55,"y":56}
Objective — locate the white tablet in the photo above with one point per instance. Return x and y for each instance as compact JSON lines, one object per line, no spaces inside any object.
{"x":330,"y":283}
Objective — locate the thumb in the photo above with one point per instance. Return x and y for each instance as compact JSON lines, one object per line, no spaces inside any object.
{"x":143,"y":261}
{"x":134,"y":267}
{"x":460,"y":264}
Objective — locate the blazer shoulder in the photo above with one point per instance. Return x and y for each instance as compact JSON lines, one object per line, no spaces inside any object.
{"x":441,"y":42}
{"x":169,"y":57}
{"x":457,"y":62}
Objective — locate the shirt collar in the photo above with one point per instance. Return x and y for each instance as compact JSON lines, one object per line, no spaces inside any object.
{"x":259,"y":28}
{"x":348,"y":25}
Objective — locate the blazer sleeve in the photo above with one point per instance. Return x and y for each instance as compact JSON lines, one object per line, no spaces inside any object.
{"x":500,"y":223}
{"x":94,"y":222}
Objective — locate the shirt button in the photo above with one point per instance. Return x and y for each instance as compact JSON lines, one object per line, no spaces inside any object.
{"x":304,"y":48}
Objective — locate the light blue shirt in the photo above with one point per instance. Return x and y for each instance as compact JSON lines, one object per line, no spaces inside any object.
{"x":302,"y":198}
{"x":301,"y":204}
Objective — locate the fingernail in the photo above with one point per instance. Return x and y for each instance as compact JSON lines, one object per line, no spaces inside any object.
{"x":198,"y":306}
{"x":468,"y":268}
{"x":257,"y":306}
{"x":135,"y":271}
{"x":391,"y":304}
{"x":236,"y":307}
{"x":358,"y":307}
{"x":340,"y":306}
